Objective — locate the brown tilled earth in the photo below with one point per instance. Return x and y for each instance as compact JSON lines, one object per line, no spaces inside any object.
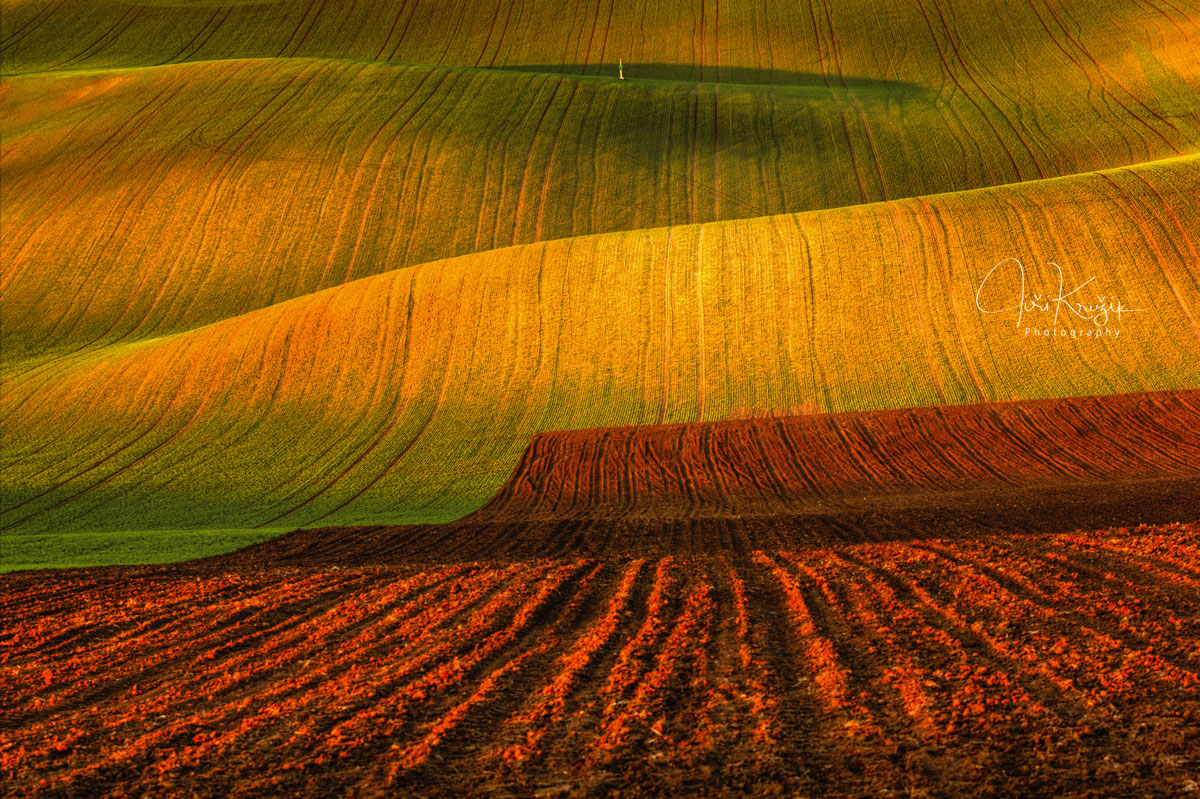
{"x":1000,"y":666}
{"x":861,"y":605}
{"x":691,"y":490}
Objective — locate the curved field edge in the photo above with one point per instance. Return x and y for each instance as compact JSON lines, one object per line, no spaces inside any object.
{"x":1020,"y":663}
{"x":147,"y":201}
{"x":730,"y":487}
{"x":410,"y":396}
{"x":756,"y":466}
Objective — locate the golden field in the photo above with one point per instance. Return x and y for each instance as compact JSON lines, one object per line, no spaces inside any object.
{"x":409,"y":396}
{"x":498,"y":398}
{"x":268,"y":264}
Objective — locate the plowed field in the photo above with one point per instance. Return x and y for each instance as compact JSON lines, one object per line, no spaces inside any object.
{"x":696,"y":489}
{"x":676,"y":610}
{"x":1054,"y":665}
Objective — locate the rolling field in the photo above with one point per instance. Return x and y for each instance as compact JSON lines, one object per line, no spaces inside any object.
{"x":510,"y":398}
{"x":410,"y":396}
{"x":1060,"y":665}
{"x":433,"y":162}
{"x":269,"y":265}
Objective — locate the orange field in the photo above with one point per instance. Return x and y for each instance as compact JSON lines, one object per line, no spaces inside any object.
{"x":813,"y":605}
{"x":524,"y":399}
{"x":410,"y":396}
{"x":1003,"y":666}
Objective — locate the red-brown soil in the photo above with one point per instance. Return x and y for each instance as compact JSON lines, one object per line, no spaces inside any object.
{"x":1007,"y":666}
{"x":694,"y":489}
{"x":699,"y":610}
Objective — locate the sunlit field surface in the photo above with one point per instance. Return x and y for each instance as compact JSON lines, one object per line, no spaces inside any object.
{"x":410,"y":396}
{"x":516,"y":398}
{"x":1000,"y":666}
{"x":272,"y":265}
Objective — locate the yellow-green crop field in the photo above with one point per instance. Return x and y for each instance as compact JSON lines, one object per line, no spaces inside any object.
{"x":479,"y":399}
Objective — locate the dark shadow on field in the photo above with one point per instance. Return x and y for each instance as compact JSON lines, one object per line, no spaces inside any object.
{"x":1048,"y":509}
{"x":777,"y":79}
{"x":648,"y":118}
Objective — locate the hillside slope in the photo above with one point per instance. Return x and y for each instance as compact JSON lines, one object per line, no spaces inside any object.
{"x":732,"y":487}
{"x":275,"y":264}
{"x":987,"y":45}
{"x":410,"y":396}
{"x":272,"y":159}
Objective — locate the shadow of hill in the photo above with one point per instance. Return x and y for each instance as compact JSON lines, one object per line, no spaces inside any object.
{"x":736,"y":76}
